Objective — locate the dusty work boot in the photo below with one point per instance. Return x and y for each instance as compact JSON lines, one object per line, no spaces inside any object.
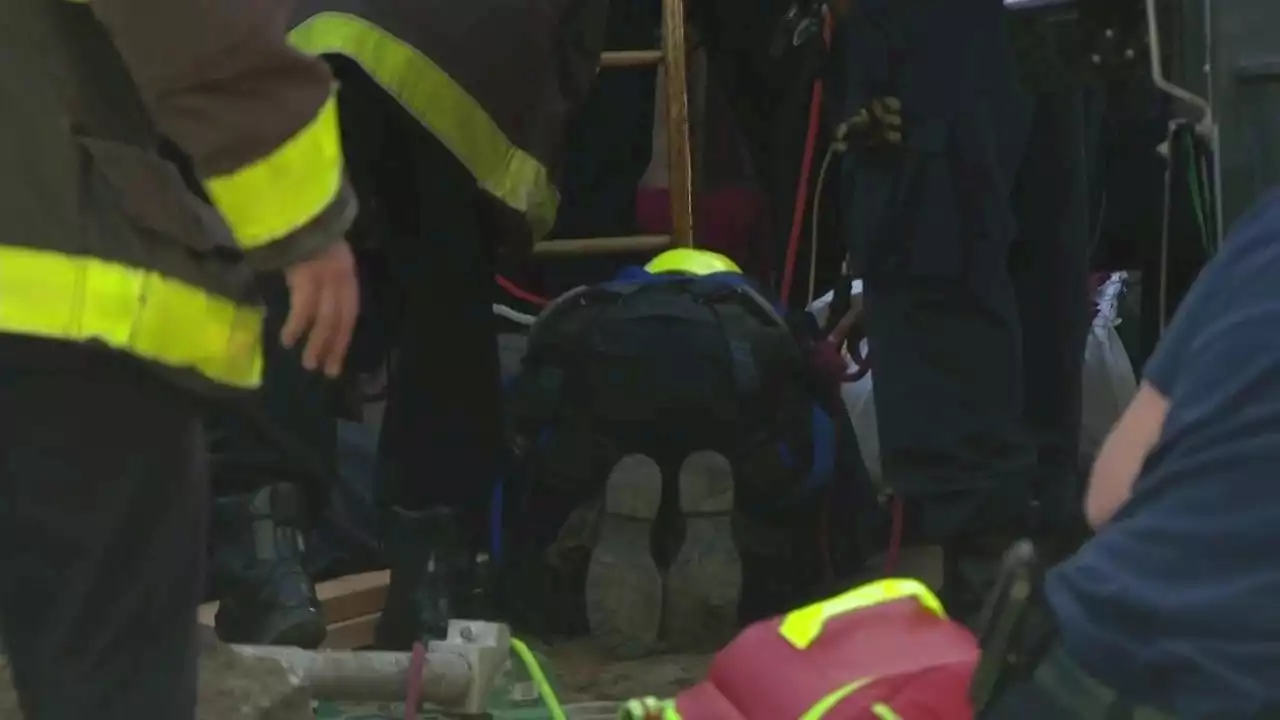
{"x":623,"y":585}
{"x":704,"y":582}
{"x":433,"y":575}
{"x":267,"y":598}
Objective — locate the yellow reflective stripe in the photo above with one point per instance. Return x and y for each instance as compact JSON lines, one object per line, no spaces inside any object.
{"x":884,"y":712}
{"x":444,"y":107}
{"x":648,"y":708}
{"x":141,"y":312}
{"x":282,"y":192}
{"x":634,"y":709}
{"x":826,"y":704}
{"x":801,"y":627}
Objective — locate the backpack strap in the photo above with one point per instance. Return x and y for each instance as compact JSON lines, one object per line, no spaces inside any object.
{"x":537,"y":394}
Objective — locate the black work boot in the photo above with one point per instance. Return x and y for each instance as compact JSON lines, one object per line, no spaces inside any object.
{"x":971,"y":569}
{"x":433,"y":576}
{"x":267,"y":598}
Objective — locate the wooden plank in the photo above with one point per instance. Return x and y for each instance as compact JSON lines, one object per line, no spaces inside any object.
{"x":353,"y":634}
{"x":676,"y":79}
{"x":630,"y":58}
{"x":353,"y":596}
{"x":345,"y":598}
{"x":602,"y":245}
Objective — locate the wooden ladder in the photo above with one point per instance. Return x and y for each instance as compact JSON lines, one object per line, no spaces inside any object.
{"x":672,"y":57}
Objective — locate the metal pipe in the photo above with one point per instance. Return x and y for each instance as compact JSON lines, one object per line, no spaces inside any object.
{"x":372,"y":676}
{"x":1205,"y":123}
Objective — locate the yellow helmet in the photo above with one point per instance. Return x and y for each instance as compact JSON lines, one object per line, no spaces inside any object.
{"x":692,"y":261}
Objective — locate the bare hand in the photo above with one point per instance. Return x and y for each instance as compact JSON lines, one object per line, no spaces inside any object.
{"x":324,"y":301}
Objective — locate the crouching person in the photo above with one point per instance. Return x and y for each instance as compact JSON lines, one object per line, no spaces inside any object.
{"x":1170,"y":611}
{"x":677,"y":424}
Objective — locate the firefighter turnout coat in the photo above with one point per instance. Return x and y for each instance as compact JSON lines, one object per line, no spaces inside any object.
{"x":102,"y":243}
{"x":493,"y":80}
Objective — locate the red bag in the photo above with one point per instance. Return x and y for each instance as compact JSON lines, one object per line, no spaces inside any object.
{"x":882,"y":651}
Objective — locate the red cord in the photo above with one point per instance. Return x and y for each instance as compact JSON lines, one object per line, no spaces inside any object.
{"x":413,"y":682}
{"x":806,"y":169}
{"x":520,"y":293}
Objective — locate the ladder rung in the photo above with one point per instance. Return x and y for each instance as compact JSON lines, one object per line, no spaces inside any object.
{"x":630,"y":58}
{"x":602,"y":245}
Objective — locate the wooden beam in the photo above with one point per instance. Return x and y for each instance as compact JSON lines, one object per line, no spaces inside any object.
{"x":676,"y":79}
{"x":352,"y":634}
{"x":602,"y":245}
{"x":630,"y":58}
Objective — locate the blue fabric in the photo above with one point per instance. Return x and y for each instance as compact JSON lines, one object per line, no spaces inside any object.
{"x":822,"y":466}
{"x":1176,"y":601}
{"x":823,"y":433}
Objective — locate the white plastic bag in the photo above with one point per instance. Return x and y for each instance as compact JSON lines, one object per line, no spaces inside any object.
{"x":1107,"y":377}
{"x":859,"y":397}
{"x":1109,"y":383}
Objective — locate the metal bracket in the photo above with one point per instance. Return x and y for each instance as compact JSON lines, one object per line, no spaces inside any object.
{"x":457,"y":676}
{"x":1205,"y":125}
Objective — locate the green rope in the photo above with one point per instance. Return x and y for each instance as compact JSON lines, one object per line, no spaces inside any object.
{"x":539,"y":679}
{"x":1199,"y":198}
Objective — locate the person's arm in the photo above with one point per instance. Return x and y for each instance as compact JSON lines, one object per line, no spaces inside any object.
{"x":1210,"y":409}
{"x":1122,"y":454}
{"x":258,"y":119}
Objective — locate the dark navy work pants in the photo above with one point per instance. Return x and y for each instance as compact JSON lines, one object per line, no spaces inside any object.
{"x":973,"y":240}
{"x":433,"y":229}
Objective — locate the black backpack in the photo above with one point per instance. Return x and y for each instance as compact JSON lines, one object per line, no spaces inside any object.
{"x":665,"y":366}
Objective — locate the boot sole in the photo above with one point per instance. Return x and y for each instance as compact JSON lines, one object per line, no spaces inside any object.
{"x":623,"y":586}
{"x":704,"y":582}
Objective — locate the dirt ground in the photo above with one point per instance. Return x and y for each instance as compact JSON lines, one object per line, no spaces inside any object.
{"x":582,"y":674}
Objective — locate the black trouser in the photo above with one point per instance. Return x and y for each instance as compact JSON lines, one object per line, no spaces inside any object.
{"x":103,"y":503}
{"x":442,"y":431}
{"x":608,"y":147}
{"x":977,"y":330}
{"x":297,"y":402}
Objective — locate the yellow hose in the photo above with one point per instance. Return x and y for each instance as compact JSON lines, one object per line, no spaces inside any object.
{"x":539,"y":678}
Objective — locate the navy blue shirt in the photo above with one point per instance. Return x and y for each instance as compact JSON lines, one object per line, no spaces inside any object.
{"x":1176,"y":601}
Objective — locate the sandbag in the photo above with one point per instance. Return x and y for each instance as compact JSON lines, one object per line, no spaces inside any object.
{"x":1109,"y":382}
{"x":859,"y":396}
